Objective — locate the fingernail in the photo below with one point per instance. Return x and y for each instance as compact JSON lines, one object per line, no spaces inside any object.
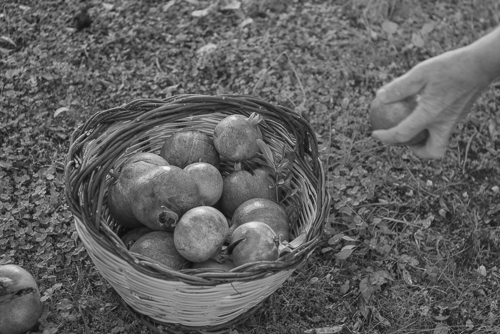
{"x":382,"y":95}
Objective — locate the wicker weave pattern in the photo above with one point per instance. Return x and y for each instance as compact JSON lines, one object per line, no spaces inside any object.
{"x":204,"y":305}
{"x":191,"y":299}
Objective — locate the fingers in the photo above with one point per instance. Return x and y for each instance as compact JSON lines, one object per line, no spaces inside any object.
{"x":406,"y":129}
{"x":434,"y":148}
{"x":435,"y":145}
{"x":406,"y":85}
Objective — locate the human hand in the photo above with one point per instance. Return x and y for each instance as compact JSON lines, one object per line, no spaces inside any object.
{"x":446,"y":86}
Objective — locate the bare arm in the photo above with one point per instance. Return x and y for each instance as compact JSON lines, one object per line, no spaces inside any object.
{"x":447,"y":85}
{"x":487,"y":52}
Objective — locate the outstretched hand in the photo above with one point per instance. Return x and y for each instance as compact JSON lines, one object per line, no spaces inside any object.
{"x":446,"y":85}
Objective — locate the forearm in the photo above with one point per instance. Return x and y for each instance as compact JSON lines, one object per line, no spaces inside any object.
{"x":486,"y":51}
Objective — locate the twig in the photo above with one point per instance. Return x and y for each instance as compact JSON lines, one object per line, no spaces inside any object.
{"x":401,"y":221}
{"x":375,"y":204}
{"x":85,"y":321}
{"x":365,"y":16}
{"x":467,"y":148}
{"x":298,"y":78}
{"x":158,"y":65}
{"x":442,"y":274}
{"x":402,"y":328}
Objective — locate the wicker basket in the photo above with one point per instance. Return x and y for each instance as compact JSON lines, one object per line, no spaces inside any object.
{"x":191,"y":300}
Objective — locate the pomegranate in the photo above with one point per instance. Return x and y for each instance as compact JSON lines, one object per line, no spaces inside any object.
{"x":20,"y":305}
{"x":235,"y":137}
{"x":159,"y":246}
{"x":186,"y":147}
{"x":241,"y":185}
{"x":132,"y":236}
{"x":386,"y":116}
{"x":265,"y":211}
{"x":253,"y":241}
{"x":208,"y":179}
{"x":200,"y":233}
{"x":119,"y":190}
{"x":161,"y":195}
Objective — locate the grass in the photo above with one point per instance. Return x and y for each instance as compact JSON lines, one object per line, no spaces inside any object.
{"x":423,"y":236}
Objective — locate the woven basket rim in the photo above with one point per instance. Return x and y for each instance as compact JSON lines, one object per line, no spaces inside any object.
{"x":143,"y":112}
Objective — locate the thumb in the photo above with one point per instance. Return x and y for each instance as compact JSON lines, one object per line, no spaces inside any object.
{"x":404,"y":86}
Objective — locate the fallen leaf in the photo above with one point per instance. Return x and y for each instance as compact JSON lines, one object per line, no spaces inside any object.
{"x":60,"y":110}
{"x":335,"y":239}
{"x":206,"y":11}
{"x":167,"y":6}
{"x":407,"y":277}
{"x":344,"y":253}
{"x":366,"y":288}
{"x":107,"y":6}
{"x":390,"y":27}
{"x":407,"y":259}
{"x":380,"y":277}
{"x":493,"y":128}
{"x":9,"y":74}
{"x":8,"y":40}
{"x":210,"y":47}
{"x":417,"y":40}
{"x":246,"y":22}
{"x":344,"y":288}
{"x":5,"y":164}
{"x":427,"y":28}
{"x":481,"y":270}
{"x":230,"y":5}
{"x":48,"y":77}
{"x":313,"y":280}
{"x":364,"y":309}
{"x":326,"y":250}
{"x":169,"y":89}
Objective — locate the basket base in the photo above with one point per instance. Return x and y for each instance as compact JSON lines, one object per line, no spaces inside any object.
{"x":166,"y":328}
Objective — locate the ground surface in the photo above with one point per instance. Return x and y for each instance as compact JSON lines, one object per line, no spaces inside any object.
{"x":423,"y":238}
